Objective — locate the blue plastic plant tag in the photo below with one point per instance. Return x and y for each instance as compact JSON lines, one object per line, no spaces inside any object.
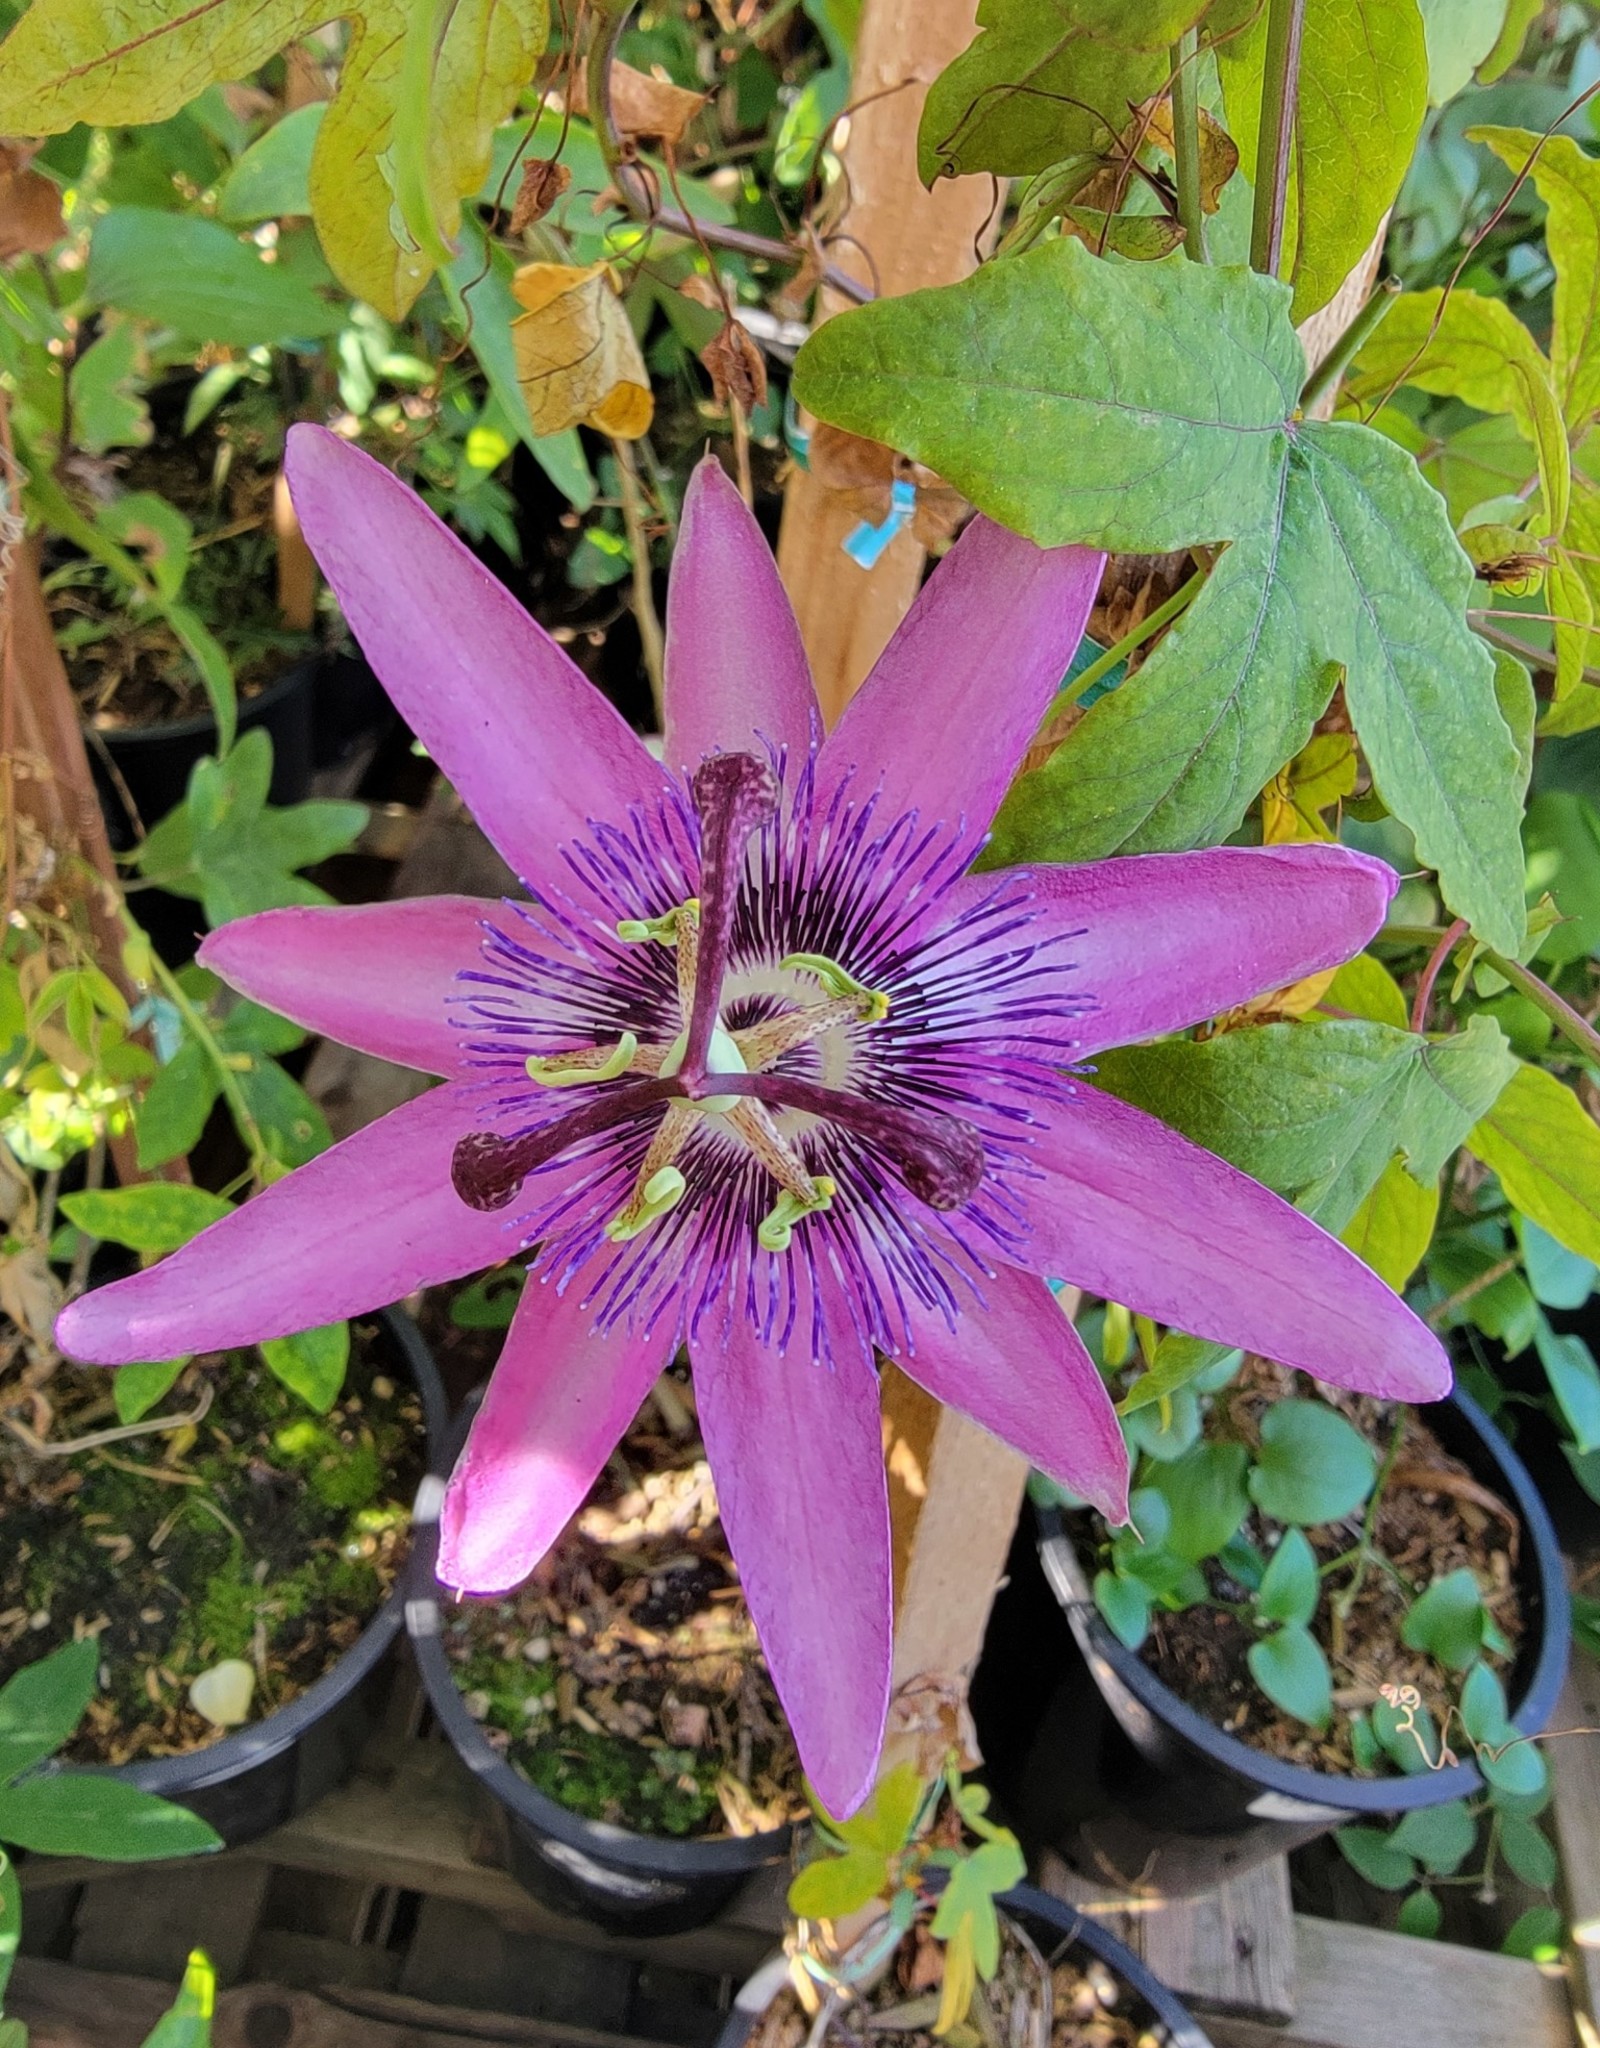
{"x":864,"y":544}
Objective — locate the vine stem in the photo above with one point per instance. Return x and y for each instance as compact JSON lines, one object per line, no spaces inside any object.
{"x":1151,"y":624}
{"x":1280,"y":88}
{"x":635,"y":189}
{"x":1568,"y":1021}
{"x":1431,"y":973}
{"x":1350,"y":344}
{"x":651,"y":641}
{"x":1186,"y":144}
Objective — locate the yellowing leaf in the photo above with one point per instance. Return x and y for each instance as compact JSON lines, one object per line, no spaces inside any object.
{"x":1316,"y":779}
{"x":140,"y":61}
{"x":577,"y":360}
{"x":1545,"y":1147}
{"x":1219,"y":153}
{"x":1364,"y":987}
{"x":1394,"y":1224}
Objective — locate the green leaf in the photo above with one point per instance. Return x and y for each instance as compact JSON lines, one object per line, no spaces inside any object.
{"x":1039,"y":83}
{"x":1519,"y":707}
{"x":1527,"y":1849}
{"x":1318,"y":1110}
{"x":1408,"y":1737}
{"x":1167,"y":1438}
{"x":833,"y":1886}
{"x":1460,"y":36}
{"x":10,"y":1935}
{"x":1419,"y":685}
{"x":1545,"y":1148}
{"x":187,"y":2021}
{"x":887,"y":1820}
{"x":155,"y":1216}
{"x":1509,"y":1761}
{"x":1290,"y":1586}
{"x":1179,"y":1362}
{"x":107,"y":408}
{"x":1420,"y":1915}
{"x":178,"y":270}
{"x":1365,"y":988}
{"x":1393,"y":1224}
{"x":1561,"y":836}
{"x":137,"y":1388}
{"x":1291,"y":1670}
{"x":1448,"y":1620}
{"x":83,"y":1813}
{"x":312,"y":1363}
{"x":1574,"y":1380}
{"x":173,"y":1110}
{"x":1124,"y":1605}
{"x":1472,"y":353}
{"x":1536,"y":1934}
{"x":42,"y":1704}
{"x":1559,"y":1278}
{"x":1362,"y":98}
{"x":1313,"y":1465}
{"x":1568,"y":181}
{"x":1368,"y":1852}
{"x":292,"y":1125}
{"x":1089,"y":367}
{"x":1439,"y":1837}
{"x":273,"y":176}
{"x":1205,"y":1491}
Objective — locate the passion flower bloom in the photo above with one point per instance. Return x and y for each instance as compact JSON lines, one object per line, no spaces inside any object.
{"x":762,"y":1068}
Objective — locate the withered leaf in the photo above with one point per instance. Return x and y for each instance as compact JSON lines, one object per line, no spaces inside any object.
{"x":31,"y":220}
{"x":544,"y":180}
{"x":644,"y":106}
{"x":1219,"y":153}
{"x":738,"y":369}
{"x":577,"y":360}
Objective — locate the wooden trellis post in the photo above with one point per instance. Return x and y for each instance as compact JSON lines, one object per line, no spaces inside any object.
{"x":954,"y":1490}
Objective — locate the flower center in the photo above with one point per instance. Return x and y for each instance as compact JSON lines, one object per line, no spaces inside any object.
{"x":711,"y":1072}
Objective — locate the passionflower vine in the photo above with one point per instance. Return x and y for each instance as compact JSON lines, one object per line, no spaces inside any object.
{"x":763,"y":1068}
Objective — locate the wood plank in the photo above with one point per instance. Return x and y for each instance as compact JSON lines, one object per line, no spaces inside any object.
{"x":1228,"y":1951}
{"x":147,"y":1922}
{"x":1574,"y":1760}
{"x":65,"y":2007}
{"x":897,"y":237}
{"x":1361,"y":1988}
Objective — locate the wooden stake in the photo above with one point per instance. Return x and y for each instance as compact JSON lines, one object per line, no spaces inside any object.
{"x":901,"y":238}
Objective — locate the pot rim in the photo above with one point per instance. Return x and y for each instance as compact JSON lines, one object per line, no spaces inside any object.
{"x":299,"y":675}
{"x":655,"y":1855}
{"x":1026,"y":1903}
{"x":171,"y":1777}
{"x":1353,"y":1795}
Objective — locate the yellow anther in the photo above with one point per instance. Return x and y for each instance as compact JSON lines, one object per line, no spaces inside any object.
{"x":872,"y":1004}
{"x":776,"y":1228}
{"x":664,"y":1190}
{"x":577,"y":1069}
{"x":636,"y":931}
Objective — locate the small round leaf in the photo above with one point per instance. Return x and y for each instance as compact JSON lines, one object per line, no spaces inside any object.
{"x":1313,"y":1466}
{"x":1290,"y":1586}
{"x":1291,"y":1670}
{"x":1369,"y":1853}
{"x":1420,"y":1915}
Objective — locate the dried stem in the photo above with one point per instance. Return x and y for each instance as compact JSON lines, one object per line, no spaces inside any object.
{"x":652,"y":642}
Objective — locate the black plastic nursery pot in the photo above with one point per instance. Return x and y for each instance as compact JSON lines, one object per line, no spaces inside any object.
{"x":266,"y":1773}
{"x":1166,"y":1796}
{"x":629,"y":1883}
{"x":1056,"y":1929}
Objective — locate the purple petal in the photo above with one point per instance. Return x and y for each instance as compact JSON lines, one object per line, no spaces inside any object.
{"x":1159,"y":941}
{"x":378,"y":976}
{"x":359,"y":1226}
{"x":796,"y":1451}
{"x":736,"y":672}
{"x":561,"y":1397}
{"x":1132,"y":1211}
{"x":958,"y":693}
{"x":532,"y":746}
{"x":1017,"y":1366}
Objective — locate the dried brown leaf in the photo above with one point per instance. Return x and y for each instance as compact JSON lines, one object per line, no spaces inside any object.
{"x":544,"y":180}
{"x":577,"y":359}
{"x":644,"y":106}
{"x":738,"y":369}
{"x":31,"y":220}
